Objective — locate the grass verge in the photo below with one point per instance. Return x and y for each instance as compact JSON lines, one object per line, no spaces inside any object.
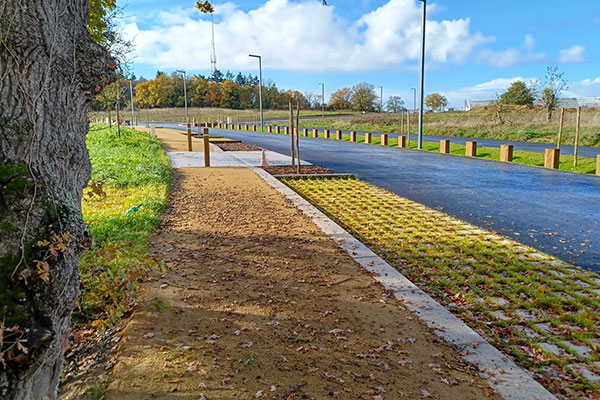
{"x":543,"y":313}
{"x":130,"y":171}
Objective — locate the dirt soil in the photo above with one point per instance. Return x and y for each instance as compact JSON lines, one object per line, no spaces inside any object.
{"x":258,"y":303}
{"x":304,"y":170}
{"x":238,"y":147}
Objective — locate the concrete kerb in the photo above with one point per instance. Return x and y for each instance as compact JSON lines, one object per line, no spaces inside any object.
{"x":508,"y":379}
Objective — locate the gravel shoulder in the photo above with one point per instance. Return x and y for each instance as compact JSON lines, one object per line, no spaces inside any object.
{"x":258,"y":303}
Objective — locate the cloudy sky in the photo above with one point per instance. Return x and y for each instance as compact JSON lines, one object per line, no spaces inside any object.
{"x":474,"y":48}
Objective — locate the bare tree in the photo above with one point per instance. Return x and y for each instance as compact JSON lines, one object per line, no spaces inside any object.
{"x":50,"y":71}
{"x":554,"y":85}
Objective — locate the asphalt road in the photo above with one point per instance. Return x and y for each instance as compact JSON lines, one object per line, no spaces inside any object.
{"x":553,"y":211}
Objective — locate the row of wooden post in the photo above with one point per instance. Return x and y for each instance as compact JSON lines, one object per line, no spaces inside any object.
{"x":551,"y":156}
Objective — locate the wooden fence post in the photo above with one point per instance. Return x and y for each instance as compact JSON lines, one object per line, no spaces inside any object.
{"x":367,"y":138}
{"x":576,"y":150}
{"x":286,"y":130}
{"x":269,"y":129}
{"x":253,"y":128}
{"x":552,"y":158}
{"x":189,"y":136}
{"x":305,"y":132}
{"x":598,"y":165}
{"x":506,"y":152}
{"x":384,"y":139}
{"x":338,"y":135}
{"x":326,"y":133}
{"x":277,"y":129}
{"x":560,"y":127}
{"x":402,"y":141}
{"x":471,"y":149}
{"x":353,"y":136}
{"x":315,"y":133}
{"x":206,"y":143}
{"x":445,"y":146}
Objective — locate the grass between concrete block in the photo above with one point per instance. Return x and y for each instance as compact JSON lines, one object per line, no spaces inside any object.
{"x":542,"y":312}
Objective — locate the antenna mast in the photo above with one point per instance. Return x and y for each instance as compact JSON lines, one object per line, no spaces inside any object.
{"x":213,"y":54}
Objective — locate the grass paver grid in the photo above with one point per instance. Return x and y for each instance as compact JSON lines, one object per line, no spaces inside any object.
{"x":540,"y":310}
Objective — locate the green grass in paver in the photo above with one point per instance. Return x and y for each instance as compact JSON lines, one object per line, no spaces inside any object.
{"x":541,"y":311}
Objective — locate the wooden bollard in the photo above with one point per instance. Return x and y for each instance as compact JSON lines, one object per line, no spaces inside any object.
{"x":384,"y":139}
{"x":189,"y":136}
{"x":353,"y":136}
{"x":506,"y":152}
{"x":277,"y":129}
{"x":552,"y":158}
{"x":286,"y":130}
{"x":238,"y":127}
{"x":315,"y":133}
{"x":367,"y":138}
{"x":402,"y":142}
{"x":471,"y":150}
{"x":338,"y":135}
{"x":444,"y":146}
{"x":253,"y":128}
{"x":305,"y":132}
{"x":598,"y":165}
{"x":270,"y":129}
{"x":326,"y":133}
{"x":206,"y":143}
{"x":246,"y":127}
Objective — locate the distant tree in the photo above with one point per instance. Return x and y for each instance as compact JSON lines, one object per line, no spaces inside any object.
{"x":341,"y":99}
{"x":240,"y":79}
{"x":111,"y":96}
{"x":231,"y":95}
{"x":364,"y":97}
{"x":197,"y":91}
{"x":519,"y":94}
{"x":313,"y":99}
{"x":217,"y":76}
{"x":214,"y":97}
{"x":395,"y":104}
{"x":229,"y":76}
{"x":156,"y":93}
{"x":436,"y":102}
{"x":554,"y":84}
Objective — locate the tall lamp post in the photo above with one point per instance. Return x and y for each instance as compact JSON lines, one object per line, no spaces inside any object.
{"x":259,"y":89}
{"x":381,"y":99}
{"x":322,"y":100}
{"x":187,"y":119}
{"x":131,"y":96}
{"x":420,"y":137}
{"x":414,"y":99}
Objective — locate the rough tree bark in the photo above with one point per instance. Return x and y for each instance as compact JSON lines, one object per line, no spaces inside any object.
{"x":50,"y":70}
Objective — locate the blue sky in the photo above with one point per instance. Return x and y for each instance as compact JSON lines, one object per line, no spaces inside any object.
{"x":475,"y":48}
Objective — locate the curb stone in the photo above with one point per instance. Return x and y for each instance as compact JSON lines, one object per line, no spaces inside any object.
{"x":508,"y":379}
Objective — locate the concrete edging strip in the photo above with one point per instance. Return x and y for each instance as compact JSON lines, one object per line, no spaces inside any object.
{"x":508,"y":379}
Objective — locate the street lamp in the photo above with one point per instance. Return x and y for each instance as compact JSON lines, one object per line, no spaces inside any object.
{"x":187,"y":119}
{"x":414,"y":99}
{"x":322,"y":100}
{"x":420,"y":137}
{"x":259,"y":88}
{"x":381,"y":99}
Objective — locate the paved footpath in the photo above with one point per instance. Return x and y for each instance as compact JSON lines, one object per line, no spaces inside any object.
{"x":258,"y":302}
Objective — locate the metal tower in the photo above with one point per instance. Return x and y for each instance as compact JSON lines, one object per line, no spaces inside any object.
{"x":213,"y":54}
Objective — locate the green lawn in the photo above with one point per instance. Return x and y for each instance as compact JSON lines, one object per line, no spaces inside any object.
{"x":132,"y":170}
{"x":541,"y":312}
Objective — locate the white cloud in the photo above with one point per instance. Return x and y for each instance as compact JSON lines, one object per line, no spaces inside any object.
{"x":512,"y":56}
{"x":586,"y":88}
{"x":302,"y":36}
{"x":572,"y":55}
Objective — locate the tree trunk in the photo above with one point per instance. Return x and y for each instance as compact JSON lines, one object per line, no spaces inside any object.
{"x":292,"y":134}
{"x":50,"y":70}
{"x":298,"y":136}
{"x":118,"y":121}
{"x":549,"y":113}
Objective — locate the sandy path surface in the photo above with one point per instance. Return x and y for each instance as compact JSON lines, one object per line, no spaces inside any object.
{"x":261,"y":304}
{"x":174,"y":140}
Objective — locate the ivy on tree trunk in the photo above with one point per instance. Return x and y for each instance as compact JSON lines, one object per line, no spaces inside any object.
{"x":50,"y":70}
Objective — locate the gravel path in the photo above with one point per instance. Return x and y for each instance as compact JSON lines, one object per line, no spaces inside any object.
{"x":258,"y":303}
